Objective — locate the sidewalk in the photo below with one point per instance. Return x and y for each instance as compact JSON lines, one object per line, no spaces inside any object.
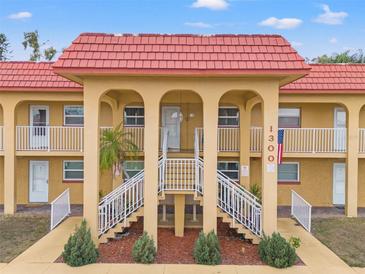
{"x":39,"y":258}
{"x":313,"y":253}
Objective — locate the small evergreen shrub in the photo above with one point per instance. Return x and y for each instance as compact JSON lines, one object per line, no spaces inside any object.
{"x":276,"y":251}
{"x":207,"y":250}
{"x":80,"y":248}
{"x":144,"y":250}
{"x":295,"y":242}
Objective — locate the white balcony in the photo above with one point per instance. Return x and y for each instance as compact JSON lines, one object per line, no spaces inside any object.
{"x":49,"y":138}
{"x":296,"y":140}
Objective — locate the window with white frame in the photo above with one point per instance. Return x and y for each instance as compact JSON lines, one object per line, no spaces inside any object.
{"x":73,"y":115}
{"x":73,"y":170}
{"x":134,"y":116}
{"x":289,"y":117}
{"x":288,"y":172}
{"x":131,"y":168}
{"x":228,"y":117}
{"x":230,"y":169}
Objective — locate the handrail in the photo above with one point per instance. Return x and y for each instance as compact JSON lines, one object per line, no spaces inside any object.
{"x":121,"y":202}
{"x":241,"y":205}
{"x":301,"y":210}
{"x":60,"y":208}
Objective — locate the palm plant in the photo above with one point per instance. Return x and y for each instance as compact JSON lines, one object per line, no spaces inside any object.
{"x":115,"y":144}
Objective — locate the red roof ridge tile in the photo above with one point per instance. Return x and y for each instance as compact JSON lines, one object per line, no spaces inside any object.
{"x":178,"y":35}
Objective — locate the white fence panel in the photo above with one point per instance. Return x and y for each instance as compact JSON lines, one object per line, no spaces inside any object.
{"x":60,"y":208}
{"x":301,"y":210}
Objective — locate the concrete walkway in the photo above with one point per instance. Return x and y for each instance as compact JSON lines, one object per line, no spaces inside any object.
{"x":313,"y":253}
{"x":39,"y":258}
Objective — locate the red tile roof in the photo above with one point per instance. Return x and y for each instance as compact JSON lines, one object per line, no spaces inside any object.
{"x":33,"y":76}
{"x":330,"y":78}
{"x":180,"y":54}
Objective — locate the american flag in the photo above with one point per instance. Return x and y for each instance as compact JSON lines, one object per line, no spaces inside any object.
{"x":280,"y":145}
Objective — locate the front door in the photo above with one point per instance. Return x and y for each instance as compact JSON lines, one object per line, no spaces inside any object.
{"x":171,"y":121}
{"x":38,"y":181}
{"x":39,"y":120}
{"x":340,"y":134}
{"x":339,"y":180}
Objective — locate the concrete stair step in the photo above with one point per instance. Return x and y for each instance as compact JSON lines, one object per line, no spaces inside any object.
{"x":245,"y":232}
{"x":118,"y":228}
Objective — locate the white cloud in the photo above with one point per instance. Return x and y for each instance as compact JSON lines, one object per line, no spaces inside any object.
{"x":333,"y":40}
{"x":283,"y":23}
{"x":296,"y":44}
{"x":211,"y":4}
{"x":329,"y":17}
{"x":20,"y":15}
{"x":200,"y":25}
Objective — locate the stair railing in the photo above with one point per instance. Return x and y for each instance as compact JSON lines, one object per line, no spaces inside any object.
{"x":239,"y":203}
{"x":119,"y":204}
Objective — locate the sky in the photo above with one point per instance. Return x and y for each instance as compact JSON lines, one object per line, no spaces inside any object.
{"x":312,"y":27}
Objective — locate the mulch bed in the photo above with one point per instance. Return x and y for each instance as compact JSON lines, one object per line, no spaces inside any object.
{"x":179,"y":250}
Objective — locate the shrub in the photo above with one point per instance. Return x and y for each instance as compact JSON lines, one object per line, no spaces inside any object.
{"x":276,"y":251}
{"x":255,"y":189}
{"x":207,"y":249}
{"x":144,"y":250}
{"x":80,"y":248}
{"x":295,"y":242}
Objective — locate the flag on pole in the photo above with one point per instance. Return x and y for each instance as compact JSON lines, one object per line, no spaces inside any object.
{"x":280,"y":145}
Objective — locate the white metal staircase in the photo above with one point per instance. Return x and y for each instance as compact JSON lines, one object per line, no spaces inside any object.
{"x":237,"y":206}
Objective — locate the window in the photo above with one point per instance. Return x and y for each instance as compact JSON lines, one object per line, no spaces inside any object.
{"x":73,"y":170}
{"x":289,"y":117}
{"x":229,"y":168}
{"x":131,"y":168}
{"x":74,"y":115}
{"x":134,"y":116}
{"x":288,"y":172}
{"x":228,"y":117}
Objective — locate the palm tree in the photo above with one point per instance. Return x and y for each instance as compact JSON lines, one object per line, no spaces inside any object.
{"x":115,"y":144}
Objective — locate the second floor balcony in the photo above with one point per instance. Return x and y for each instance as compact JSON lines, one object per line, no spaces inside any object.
{"x":296,"y":140}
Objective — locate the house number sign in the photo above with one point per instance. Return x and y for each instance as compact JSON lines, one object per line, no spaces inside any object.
{"x":270,"y":167}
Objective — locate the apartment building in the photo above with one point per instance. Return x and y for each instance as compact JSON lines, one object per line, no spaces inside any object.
{"x":204,"y":112}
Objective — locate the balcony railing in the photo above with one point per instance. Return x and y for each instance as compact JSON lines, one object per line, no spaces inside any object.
{"x":49,"y":138}
{"x":229,"y":139}
{"x":135,"y":134}
{"x":362,"y":140}
{"x":314,"y":140}
{"x":1,"y":138}
{"x":296,"y":140}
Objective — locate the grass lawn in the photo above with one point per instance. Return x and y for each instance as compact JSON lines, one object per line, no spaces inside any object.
{"x":344,"y":236}
{"x":19,"y":232}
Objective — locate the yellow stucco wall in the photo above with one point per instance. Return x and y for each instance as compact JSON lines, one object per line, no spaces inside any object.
{"x":56,"y":185}
{"x":312,"y":115}
{"x":361,"y":183}
{"x":56,"y":112}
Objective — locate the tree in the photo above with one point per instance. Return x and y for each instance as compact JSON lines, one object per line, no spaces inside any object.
{"x":115,"y":143}
{"x":31,"y":40}
{"x":49,"y":53}
{"x":4,"y":47}
{"x":343,"y":57}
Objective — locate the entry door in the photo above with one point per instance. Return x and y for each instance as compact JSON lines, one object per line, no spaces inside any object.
{"x":38,"y":181}
{"x":39,"y":121}
{"x":339,"y":178}
{"x":339,"y":136}
{"x":171,"y":121}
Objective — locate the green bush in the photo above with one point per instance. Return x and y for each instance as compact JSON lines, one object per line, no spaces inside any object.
{"x":276,"y":251}
{"x":80,"y":248}
{"x":144,"y":250}
{"x":295,"y":242}
{"x":207,"y":249}
{"x":255,"y":189}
